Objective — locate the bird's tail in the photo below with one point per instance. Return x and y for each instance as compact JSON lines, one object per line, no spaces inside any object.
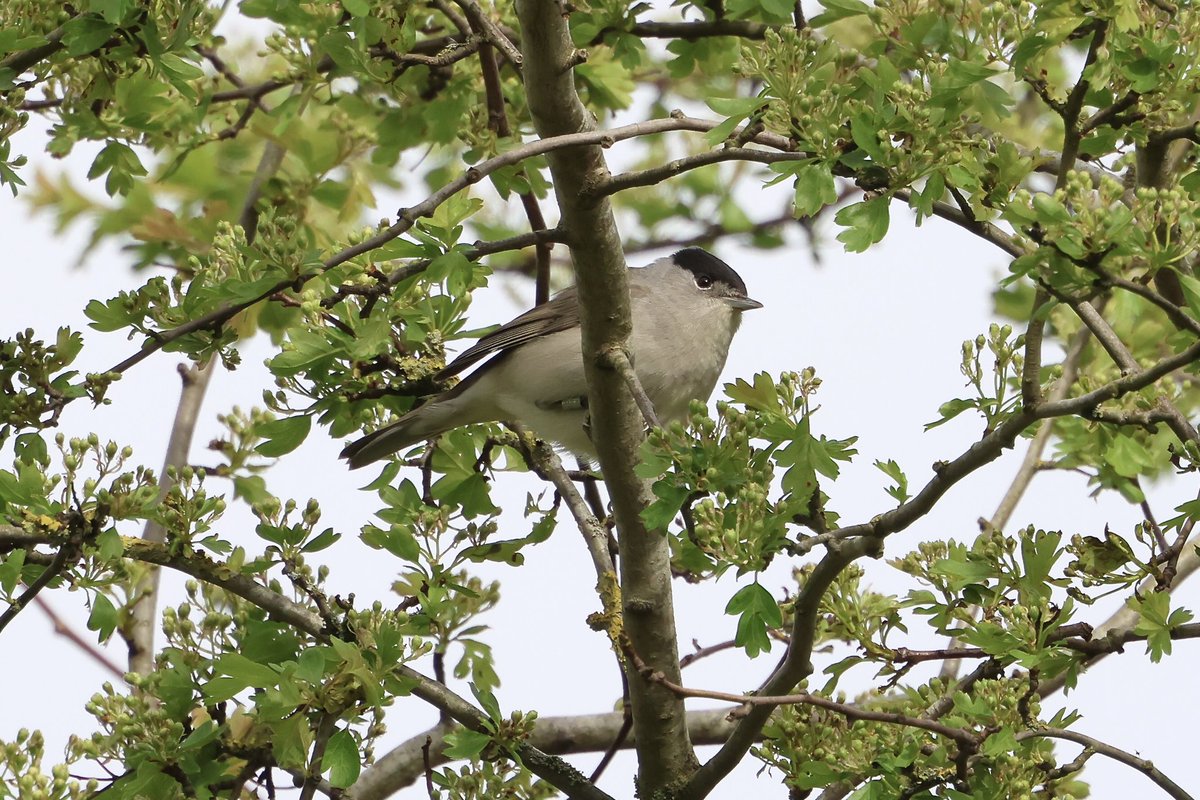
{"x":416,"y":426}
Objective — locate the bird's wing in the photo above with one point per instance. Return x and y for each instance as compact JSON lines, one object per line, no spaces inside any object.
{"x":559,"y":314}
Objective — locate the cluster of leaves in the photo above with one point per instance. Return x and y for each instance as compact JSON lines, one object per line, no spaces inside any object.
{"x":997,"y":400}
{"x":721,"y":471}
{"x":819,"y":747}
{"x":718,"y":475}
{"x":234,"y":692}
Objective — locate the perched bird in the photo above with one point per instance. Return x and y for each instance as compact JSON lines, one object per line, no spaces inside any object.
{"x":685,"y":307}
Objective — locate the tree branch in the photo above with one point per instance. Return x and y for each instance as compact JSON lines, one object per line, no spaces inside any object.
{"x":654,"y":175}
{"x":617,"y":359}
{"x":984,"y":230}
{"x":66,"y":552}
{"x":139,"y":631}
{"x":1142,"y":765}
{"x":794,"y":667}
{"x":1124,"y":359}
{"x":1037,"y":446}
{"x":587,"y":733}
{"x":851,"y":712}
{"x":278,"y":607}
{"x":63,"y":629}
{"x":690,"y":31}
{"x":665,"y":756}
{"x":547,"y":463}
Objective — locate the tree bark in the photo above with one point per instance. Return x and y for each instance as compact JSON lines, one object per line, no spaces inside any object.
{"x":665,"y":755}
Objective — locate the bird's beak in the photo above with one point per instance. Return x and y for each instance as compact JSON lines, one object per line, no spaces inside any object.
{"x":742,"y":303}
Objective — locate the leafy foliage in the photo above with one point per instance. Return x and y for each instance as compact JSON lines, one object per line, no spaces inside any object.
{"x":243,"y":179}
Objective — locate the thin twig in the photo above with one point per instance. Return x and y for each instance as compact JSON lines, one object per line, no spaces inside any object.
{"x":66,"y":552}
{"x":619,"y":360}
{"x":985,"y":230}
{"x":547,"y":464}
{"x":63,"y":629}
{"x":407,"y":217}
{"x":962,"y":736}
{"x":489,"y":30}
{"x":325,"y":729}
{"x":1142,"y":765}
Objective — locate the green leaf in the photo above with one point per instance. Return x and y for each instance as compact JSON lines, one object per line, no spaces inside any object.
{"x":207,"y":732}
{"x":109,"y":545}
{"x":121,"y":164}
{"x":1127,"y":457}
{"x":466,"y":745}
{"x":104,"y":617}
{"x":1050,"y":210}
{"x":893,"y":471}
{"x":760,"y":395}
{"x":812,"y":775}
{"x":291,"y":739}
{"x":342,"y":760}
{"x":110,"y":316}
{"x":311,"y":664}
{"x":85,"y":33}
{"x":839,"y":9}
{"x":757,"y":613}
{"x":113,"y":11}
{"x":866,"y":223}
{"x":659,"y":514}
{"x":397,"y":540}
{"x":815,"y":189}
{"x":10,"y":571}
{"x":283,"y":435}
{"x":321,"y":541}
{"x":488,"y":702}
{"x":949,"y":410}
{"x":1156,"y":622}
{"x":249,"y":673}
{"x":864,"y":132}
{"x":735,"y":110}
{"x":1191,"y":292}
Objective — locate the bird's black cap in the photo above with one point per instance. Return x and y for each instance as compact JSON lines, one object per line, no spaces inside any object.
{"x":701,"y":262}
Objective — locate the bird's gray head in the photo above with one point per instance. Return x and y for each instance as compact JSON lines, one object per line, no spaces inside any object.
{"x":705,"y":275}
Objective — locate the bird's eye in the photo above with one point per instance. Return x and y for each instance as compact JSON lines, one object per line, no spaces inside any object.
{"x":704,"y":281}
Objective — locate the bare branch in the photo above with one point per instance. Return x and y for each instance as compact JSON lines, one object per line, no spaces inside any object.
{"x":984,"y":230}
{"x":66,"y":553}
{"x":139,"y":631}
{"x":665,"y":756}
{"x":1142,"y":765}
{"x":653,"y":175}
{"x":1120,"y":354}
{"x":1191,"y":132}
{"x":63,"y":629}
{"x":856,"y":713}
{"x":490,"y":31}
{"x":1037,"y":446}
{"x":743,"y":29}
{"x":588,"y":733}
{"x":616,"y":358}
{"x":548,"y":465}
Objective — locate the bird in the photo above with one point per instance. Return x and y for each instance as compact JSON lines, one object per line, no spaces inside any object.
{"x":685,"y":310}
